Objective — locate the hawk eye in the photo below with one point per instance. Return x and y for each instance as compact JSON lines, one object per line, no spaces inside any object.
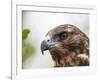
{"x":63,"y":35}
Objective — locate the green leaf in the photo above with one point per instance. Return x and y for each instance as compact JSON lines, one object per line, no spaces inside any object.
{"x":25,"y":33}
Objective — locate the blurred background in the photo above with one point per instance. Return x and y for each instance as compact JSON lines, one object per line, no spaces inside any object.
{"x":35,"y":26}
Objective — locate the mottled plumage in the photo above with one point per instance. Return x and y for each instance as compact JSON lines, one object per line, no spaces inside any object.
{"x":68,"y":46}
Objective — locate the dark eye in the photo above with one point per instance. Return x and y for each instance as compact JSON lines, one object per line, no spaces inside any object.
{"x":63,"y":35}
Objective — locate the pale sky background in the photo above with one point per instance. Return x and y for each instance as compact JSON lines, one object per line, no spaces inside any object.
{"x":40,"y":23}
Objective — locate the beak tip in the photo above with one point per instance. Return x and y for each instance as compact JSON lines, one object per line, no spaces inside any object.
{"x":42,"y":52}
{"x":44,"y":47}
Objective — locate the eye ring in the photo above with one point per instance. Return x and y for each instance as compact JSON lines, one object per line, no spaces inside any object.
{"x":63,"y":35}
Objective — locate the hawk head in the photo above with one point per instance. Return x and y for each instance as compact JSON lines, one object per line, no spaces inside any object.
{"x":68,"y":46}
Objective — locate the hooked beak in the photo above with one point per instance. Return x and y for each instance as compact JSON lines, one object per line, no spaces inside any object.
{"x":48,"y":44}
{"x":44,"y":46}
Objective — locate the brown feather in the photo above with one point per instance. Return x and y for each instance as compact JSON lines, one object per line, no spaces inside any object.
{"x":73,"y":50}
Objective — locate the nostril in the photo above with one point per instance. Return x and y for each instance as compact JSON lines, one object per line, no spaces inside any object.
{"x":48,"y":40}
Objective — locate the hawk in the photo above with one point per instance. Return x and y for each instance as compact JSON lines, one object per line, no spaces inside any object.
{"x":68,"y":46}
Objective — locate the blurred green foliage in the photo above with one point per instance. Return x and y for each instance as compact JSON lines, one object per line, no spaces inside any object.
{"x":27,"y":47}
{"x":25,"y":33}
{"x":28,"y":50}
